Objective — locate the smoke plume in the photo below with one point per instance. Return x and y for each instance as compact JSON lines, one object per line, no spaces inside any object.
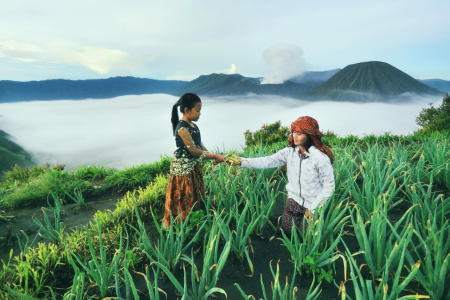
{"x":233,"y":69}
{"x":286,"y":61}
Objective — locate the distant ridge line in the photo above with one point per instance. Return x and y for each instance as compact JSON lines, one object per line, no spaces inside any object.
{"x":372,"y":81}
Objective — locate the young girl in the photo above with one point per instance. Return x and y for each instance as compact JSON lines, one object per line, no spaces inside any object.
{"x":309,"y":170}
{"x":186,"y":185}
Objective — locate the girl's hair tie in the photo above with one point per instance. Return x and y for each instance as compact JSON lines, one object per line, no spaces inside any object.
{"x":178,"y":103}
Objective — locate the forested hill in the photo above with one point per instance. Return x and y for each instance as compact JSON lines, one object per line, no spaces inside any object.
{"x":368,"y":81}
{"x":442,"y":85}
{"x":314,"y":76}
{"x":235,"y":84}
{"x":61,"y":89}
{"x":11,"y":154}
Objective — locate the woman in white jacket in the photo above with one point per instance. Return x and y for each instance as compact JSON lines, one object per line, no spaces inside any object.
{"x":309,"y":170}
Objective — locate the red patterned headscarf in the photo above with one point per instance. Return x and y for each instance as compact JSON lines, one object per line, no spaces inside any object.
{"x":310,"y":126}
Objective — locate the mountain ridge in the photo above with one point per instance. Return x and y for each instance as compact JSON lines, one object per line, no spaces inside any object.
{"x":236,"y":84}
{"x":367,"y":81}
{"x":375,"y":81}
{"x":439,"y":84}
{"x":63,"y":89}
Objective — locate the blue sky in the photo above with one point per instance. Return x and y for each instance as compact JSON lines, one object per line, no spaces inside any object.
{"x":184,"y":39}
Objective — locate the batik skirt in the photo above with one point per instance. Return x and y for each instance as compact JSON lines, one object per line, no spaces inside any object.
{"x":293,"y":212}
{"x":184,"y":193}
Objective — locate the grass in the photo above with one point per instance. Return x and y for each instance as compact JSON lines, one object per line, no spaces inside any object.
{"x":31,"y":186}
{"x":393,"y":263}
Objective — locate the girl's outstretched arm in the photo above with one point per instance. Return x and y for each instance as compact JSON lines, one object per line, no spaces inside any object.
{"x":197,"y":151}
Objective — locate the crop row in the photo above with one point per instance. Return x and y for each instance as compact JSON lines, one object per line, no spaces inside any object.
{"x":369,"y":184}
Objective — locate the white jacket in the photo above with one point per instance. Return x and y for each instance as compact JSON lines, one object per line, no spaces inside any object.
{"x":311,"y":178}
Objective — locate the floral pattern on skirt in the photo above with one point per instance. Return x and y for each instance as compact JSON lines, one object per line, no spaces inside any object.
{"x":183,"y":192}
{"x":296,"y":212}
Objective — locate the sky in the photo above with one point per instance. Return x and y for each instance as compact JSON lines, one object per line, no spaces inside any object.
{"x":181,"y":40}
{"x":131,"y":130}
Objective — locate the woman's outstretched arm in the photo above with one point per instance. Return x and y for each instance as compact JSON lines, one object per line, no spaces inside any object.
{"x":276,"y":160}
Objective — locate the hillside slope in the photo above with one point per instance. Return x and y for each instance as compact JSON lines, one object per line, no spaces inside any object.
{"x":439,"y":84}
{"x":235,"y":84}
{"x":314,"y":76}
{"x":12,"y":154}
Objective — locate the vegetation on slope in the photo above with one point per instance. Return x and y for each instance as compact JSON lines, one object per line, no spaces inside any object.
{"x":317,"y":77}
{"x":235,"y":84}
{"x":12,"y":154}
{"x":435,"y":119}
{"x":31,"y":186}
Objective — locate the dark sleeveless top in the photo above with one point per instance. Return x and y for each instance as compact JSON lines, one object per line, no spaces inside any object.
{"x":181,"y":147}
{"x":183,"y":161}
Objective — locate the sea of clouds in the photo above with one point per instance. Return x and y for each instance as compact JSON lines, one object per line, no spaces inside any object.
{"x":132,"y":130}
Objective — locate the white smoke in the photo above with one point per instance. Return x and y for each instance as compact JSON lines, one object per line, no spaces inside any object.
{"x":286,"y":61}
{"x":233,"y":69}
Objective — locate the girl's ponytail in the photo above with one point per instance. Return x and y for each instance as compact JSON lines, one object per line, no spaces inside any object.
{"x":175,"y":118}
{"x":188,"y":101}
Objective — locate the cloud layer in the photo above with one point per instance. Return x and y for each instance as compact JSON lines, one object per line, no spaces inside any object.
{"x":98,"y":59}
{"x":131,"y":130}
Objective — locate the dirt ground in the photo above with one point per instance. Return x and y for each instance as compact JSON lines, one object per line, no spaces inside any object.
{"x":72,"y":215}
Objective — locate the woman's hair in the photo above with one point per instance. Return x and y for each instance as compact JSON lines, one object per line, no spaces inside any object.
{"x":188,"y":101}
{"x":308,"y":143}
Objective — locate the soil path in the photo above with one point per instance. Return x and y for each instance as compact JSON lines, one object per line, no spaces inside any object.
{"x":72,"y":215}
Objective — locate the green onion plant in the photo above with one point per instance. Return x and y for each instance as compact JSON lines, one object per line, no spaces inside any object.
{"x":130,"y":287}
{"x":421,"y":172}
{"x":344,"y":168}
{"x":364,"y":289}
{"x":212,"y":266}
{"x":261,"y":197}
{"x":53,"y":233}
{"x":239,"y":238}
{"x":425,"y":203}
{"x":437,"y":153}
{"x":171,"y":243}
{"x":288,"y":293}
{"x":222,"y":185}
{"x":433,"y":252}
{"x":320,"y":233}
{"x":77,"y":198}
{"x":379,"y":181}
{"x":76,"y":292}
{"x":378,"y":245}
{"x":100,"y":271}
{"x":26,"y":246}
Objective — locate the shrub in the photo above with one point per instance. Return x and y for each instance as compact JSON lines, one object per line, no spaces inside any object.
{"x":268,"y":134}
{"x":435,"y":119}
{"x":23,"y":175}
{"x":139,"y":176}
{"x":274,"y":133}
